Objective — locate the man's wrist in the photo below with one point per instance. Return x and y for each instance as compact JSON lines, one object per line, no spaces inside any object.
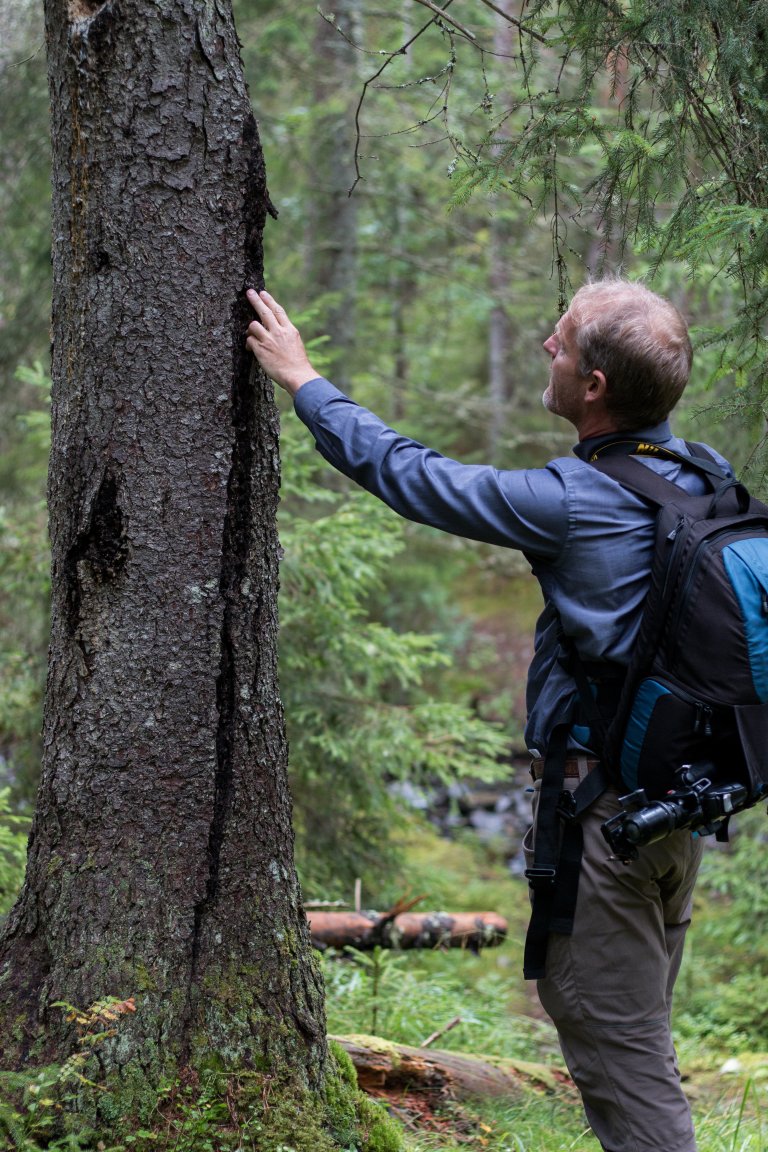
{"x":296,"y":380}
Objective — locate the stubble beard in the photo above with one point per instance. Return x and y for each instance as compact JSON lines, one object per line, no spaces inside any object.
{"x":549,"y":399}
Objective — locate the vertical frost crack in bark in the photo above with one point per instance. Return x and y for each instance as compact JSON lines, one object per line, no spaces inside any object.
{"x":235,"y":552}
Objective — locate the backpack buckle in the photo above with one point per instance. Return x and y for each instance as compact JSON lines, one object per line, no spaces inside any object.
{"x":539,"y":876}
{"x":566,"y":806}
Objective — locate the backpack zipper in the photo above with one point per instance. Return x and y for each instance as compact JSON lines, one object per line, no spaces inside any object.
{"x":705,"y":545}
{"x":702,"y":724}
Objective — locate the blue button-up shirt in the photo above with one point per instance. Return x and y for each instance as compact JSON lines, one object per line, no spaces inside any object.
{"x":588,"y":540}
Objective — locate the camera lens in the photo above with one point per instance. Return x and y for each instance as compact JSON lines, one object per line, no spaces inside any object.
{"x":653,"y":822}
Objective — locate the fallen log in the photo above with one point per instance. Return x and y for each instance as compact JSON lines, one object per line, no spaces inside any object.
{"x":385,"y":1067}
{"x":367,"y":930}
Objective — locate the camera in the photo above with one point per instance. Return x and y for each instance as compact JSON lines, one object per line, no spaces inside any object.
{"x":695,"y":802}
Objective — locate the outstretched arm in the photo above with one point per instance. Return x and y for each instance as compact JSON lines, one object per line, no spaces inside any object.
{"x":525,"y":509}
{"x":277,"y":345}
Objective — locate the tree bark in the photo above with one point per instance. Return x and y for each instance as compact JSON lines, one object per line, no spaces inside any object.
{"x":161,"y":855}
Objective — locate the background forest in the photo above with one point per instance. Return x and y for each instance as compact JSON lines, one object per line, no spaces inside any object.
{"x":425,"y":260}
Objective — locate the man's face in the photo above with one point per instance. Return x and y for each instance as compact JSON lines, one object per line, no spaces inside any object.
{"x":564,"y":395}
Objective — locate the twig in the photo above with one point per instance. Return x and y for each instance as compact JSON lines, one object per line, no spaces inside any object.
{"x":404,"y":904}
{"x":449,"y":19}
{"x":330,"y":20}
{"x":440,"y":1032}
{"x":506,"y":16}
{"x":391,"y":56}
{"x":26,"y":60}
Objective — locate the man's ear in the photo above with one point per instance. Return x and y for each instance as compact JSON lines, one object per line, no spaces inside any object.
{"x":597,"y":386}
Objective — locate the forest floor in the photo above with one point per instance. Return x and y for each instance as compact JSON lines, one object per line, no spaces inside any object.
{"x":405,"y":997}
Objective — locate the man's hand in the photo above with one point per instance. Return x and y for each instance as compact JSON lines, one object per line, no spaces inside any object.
{"x":277,"y":345}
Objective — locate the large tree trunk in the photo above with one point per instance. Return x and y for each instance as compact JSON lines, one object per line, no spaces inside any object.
{"x":161,"y":857}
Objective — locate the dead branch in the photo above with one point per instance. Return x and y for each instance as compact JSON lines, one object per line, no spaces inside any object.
{"x":448,"y":19}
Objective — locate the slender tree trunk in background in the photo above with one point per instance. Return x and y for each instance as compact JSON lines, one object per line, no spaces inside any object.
{"x":500,"y":264}
{"x":161,"y":857}
{"x":403,"y":288}
{"x":332,"y":222}
{"x":403,"y":282}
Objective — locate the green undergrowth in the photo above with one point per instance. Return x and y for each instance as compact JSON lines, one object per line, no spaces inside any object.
{"x":720,"y":1017}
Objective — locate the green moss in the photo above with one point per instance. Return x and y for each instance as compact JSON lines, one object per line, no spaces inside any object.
{"x":211,"y":1104}
{"x":354,"y":1119}
{"x":343,"y":1062}
{"x":377,"y":1044}
{"x":379,"y":1131}
{"x":341,"y":1096}
{"x":143,"y":980}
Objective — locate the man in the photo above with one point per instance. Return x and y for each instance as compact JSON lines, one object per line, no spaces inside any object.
{"x":620,"y":360}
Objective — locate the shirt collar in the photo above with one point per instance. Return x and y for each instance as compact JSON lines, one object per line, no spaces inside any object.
{"x":658,"y":434}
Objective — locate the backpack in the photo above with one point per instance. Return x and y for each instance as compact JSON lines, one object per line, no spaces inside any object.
{"x":696,"y":689}
{"x":684,"y":728}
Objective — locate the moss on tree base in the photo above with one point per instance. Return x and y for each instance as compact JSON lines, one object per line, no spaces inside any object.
{"x":59,"y":1105}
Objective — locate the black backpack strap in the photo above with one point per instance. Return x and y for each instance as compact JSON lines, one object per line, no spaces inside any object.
{"x":542,"y":876}
{"x":644,"y":482}
{"x":554,"y":876}
{"x":652,"y":486}
{"x":587,"y":700}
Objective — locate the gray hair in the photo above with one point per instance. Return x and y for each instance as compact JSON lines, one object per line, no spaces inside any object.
{"x":639,"y":341}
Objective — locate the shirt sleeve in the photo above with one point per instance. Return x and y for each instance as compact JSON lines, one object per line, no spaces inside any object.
{"x":526,"y":509}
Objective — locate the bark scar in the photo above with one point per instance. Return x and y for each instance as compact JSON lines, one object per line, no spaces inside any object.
{"x":102,"y":545}
{"x":79,"y":10}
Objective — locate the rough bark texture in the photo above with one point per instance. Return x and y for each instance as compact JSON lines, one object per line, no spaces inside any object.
{"x":161,"y":858}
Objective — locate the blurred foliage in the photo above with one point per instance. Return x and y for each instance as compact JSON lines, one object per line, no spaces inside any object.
{"x":25,"y":265}
{"x":25,"y":584}
{"x":365,"y":703}
{"x":727,"y":963}
{"x":13,"y":851}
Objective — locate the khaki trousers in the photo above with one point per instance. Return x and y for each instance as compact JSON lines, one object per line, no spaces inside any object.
{"x":608,"y":987}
